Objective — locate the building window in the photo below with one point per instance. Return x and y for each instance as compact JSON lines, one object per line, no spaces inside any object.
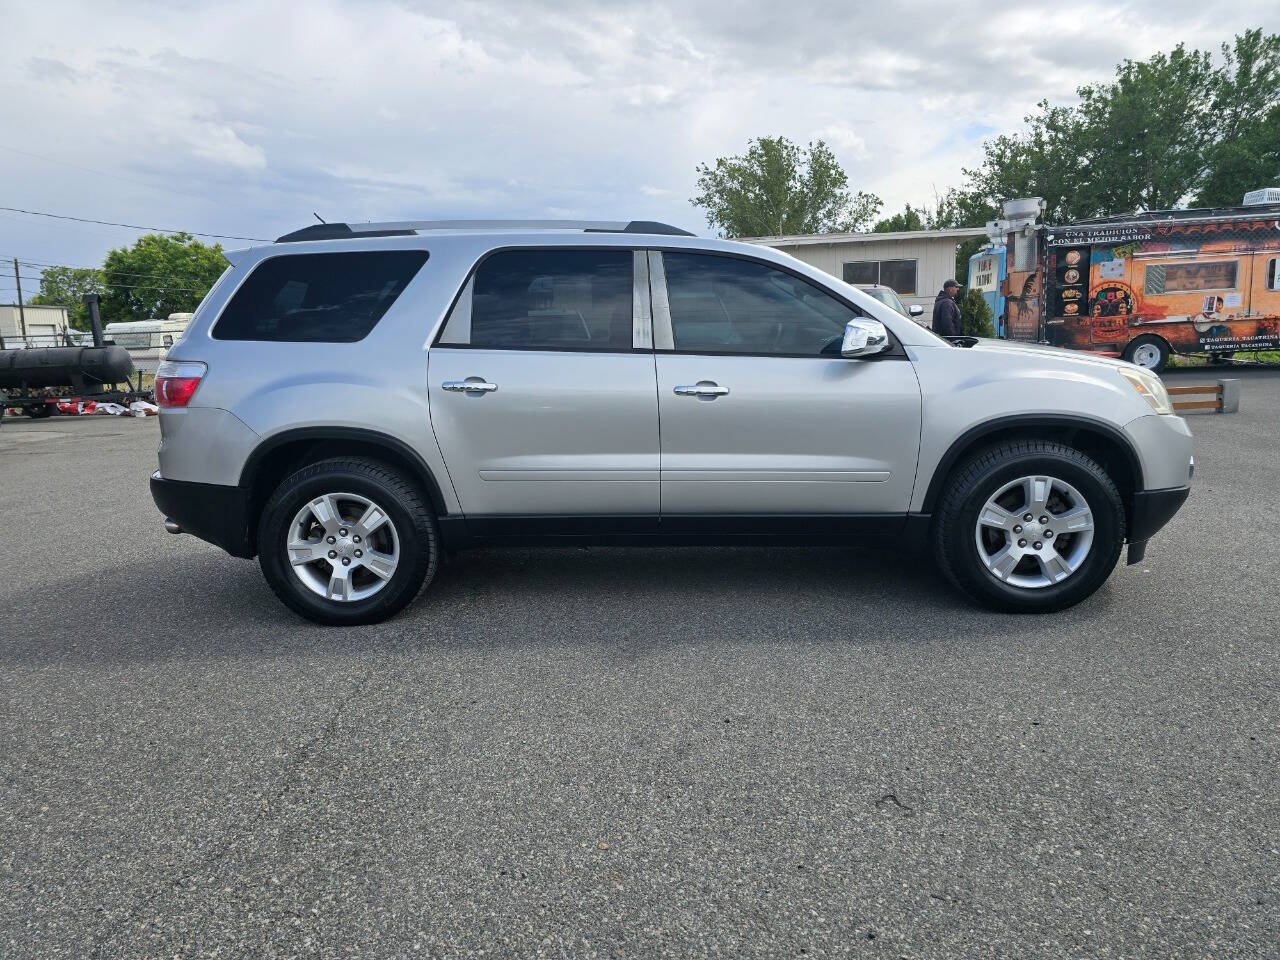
{"x":862,"y":271}
{"x":1273,"y":273}
{"x":1161,"y":278}
{"x":898,"y":275}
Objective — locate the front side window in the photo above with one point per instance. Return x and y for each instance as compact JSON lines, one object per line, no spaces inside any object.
{"x":728,"y":305}
{"x":318,"y":297}
{"x":546,"y":300}
{"x":1161,"y":278}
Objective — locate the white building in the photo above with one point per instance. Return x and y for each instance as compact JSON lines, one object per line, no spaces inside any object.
{"x":915,"y":263}
{"x":45,"y":326}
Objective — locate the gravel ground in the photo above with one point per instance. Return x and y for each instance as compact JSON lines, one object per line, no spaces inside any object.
{"x":630,"y":752}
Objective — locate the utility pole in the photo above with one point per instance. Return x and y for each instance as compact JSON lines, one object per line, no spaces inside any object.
{"x":22,"y":316}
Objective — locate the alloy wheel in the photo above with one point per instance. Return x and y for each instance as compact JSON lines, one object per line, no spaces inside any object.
{"x":1034,"y":532}
{"x":343,"y":546}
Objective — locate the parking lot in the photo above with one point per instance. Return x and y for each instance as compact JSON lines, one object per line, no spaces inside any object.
{"x":630,"y":752}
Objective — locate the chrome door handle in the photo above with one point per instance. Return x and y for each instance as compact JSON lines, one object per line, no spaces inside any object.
{"x":703,"y":388}
{"x":469,"y":386}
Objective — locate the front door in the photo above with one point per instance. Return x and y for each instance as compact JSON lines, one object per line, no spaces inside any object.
{"x":542,"y":394}
{"x":759,"y":413}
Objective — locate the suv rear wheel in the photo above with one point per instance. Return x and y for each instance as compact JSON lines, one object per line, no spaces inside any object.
{"x":347,"y":541}
{"x":1029,"y":526}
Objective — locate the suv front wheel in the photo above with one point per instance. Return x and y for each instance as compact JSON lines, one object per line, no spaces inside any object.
{"x":1029,"y":526}
{"x":347,"y":541}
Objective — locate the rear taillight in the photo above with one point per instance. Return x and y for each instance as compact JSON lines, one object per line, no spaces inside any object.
{"x":176,"y":382}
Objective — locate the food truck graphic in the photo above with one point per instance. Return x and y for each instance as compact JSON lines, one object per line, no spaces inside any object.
{"x":986,"y":274}
{"x":1146,"y":286}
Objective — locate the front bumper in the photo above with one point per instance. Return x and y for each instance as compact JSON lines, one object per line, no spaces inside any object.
{"x":1152,"y":509}
{"x":211,"y":511}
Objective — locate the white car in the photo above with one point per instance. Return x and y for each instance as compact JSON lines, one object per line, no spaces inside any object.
{"x":889,"y":297}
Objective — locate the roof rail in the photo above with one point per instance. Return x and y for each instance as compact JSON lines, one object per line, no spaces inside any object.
{"x":404,"y":228}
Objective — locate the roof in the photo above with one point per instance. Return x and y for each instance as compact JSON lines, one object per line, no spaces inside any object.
{"x":797,"y":240}
{"x":1194,"y":213}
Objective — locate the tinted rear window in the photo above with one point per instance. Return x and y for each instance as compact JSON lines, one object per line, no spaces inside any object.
{"x":318,"y":297}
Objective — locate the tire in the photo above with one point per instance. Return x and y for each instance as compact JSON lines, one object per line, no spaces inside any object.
{"x":965,"y":550}
{"x":39,"y":411}
{"x":1148,"y":351}
{"x":406,"y":533}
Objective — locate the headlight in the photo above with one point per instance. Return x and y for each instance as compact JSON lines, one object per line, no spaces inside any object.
{"x":1150,"y":388}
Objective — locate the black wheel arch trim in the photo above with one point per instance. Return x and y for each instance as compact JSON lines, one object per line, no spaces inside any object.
{"x":975,"y":434}
{"x":402,"y":450}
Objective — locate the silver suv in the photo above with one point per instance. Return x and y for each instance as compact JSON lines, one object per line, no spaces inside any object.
{"x":354,"y":402}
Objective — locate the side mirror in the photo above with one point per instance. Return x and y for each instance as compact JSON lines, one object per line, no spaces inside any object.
{"x":916,"y":310}
{"x":863,"y":338}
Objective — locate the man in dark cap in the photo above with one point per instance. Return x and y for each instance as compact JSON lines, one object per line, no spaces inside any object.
{"x":946,"y":315}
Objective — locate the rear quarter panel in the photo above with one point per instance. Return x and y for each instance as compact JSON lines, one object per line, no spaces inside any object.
{"x":378,"y":384}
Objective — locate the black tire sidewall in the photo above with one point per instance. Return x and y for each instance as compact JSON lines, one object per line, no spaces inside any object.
{"x":1108,"y":535}
{"x":415,"y":528}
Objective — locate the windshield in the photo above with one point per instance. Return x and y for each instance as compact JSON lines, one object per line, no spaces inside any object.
{"x":887,"y":297}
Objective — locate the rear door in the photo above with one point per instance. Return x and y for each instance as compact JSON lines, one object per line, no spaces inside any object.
{"x":542,"y":386}
{"x":760,"y":414}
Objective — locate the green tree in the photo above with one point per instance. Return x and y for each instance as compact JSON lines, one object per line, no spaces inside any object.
{"x":1176,"y":127}
{"x":909,"y":218}
{"x":159,"y":275}
{"x":1245,"y":154}
{"x":975,"y":315}
{"x":778,"y":188}
{"x":66,"y":287}
{"x":950,"y":210}
{"x":1043,"y":161}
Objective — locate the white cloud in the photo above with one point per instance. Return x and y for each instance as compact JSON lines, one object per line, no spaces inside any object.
{"x":244,"y":116}
{"x":847,"y":143}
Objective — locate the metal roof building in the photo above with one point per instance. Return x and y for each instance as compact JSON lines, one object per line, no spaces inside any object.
{"x":914,"y":262}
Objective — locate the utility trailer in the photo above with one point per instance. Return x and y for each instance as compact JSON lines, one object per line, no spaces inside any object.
{"x":35,"y":380}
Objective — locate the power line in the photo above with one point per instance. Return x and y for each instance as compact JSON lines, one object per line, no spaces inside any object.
{"x":47,"y":264}
{"x":132,"y":226}
{"x":43,"y":265}
{"x":132,"y":286}
{"x":115,"y":283}
{"x":113,"y":273}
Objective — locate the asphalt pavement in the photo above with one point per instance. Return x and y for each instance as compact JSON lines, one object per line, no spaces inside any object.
{"x":633,"y":752}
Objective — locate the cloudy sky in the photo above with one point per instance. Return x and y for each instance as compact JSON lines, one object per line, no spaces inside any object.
{"x":244,"y":116}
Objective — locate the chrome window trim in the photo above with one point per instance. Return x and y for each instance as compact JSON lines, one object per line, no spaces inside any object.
{"x":663,"y":338}
{"x":641,"y":312}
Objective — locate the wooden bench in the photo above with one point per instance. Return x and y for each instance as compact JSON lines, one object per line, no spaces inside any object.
{"x":1220,"y":397}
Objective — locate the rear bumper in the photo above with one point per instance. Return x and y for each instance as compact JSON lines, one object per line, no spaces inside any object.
{"x":1152,"y":509}
{"x":213,"y":512}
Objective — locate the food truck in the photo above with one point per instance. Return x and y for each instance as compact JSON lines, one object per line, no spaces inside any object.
{"x":1149,"y":285}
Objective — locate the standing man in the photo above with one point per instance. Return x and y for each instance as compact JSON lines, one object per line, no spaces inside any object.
{"x":946,"y":315}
